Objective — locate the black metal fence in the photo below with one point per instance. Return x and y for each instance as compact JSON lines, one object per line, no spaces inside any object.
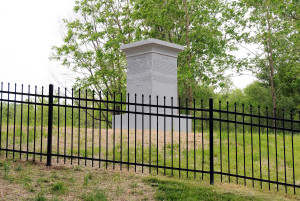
{"x":224,"y":142}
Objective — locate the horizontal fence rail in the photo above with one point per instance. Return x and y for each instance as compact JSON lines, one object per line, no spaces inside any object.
{"x":253,"y":146}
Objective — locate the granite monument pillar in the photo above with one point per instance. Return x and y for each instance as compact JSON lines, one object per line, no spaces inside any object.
{"x":152,"y":78}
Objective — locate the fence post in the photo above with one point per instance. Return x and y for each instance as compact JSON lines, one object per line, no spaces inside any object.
{"x":211,"y":140}
{"x":50,"y":122}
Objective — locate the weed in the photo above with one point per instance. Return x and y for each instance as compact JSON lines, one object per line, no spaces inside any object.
{"x":26,"y":179}
{"x":133,"y":185}
{"x":40,"y":197}
{"x":72,"y":179}
{"x":117,"y":177}
{"x":59,"y":187}
{"x":6,"y":168}
{"x":77,"y":168}
{"x":97,"y":195}
{"x":42,"y":180}
{"x":18,"y":168}
{"x":119,"y":190}
{"x":6,"y":172}
{"x":87,"y":177}
{"x":29,"y":187}
{"x":54,"y":176}
{"x":55,"y":199}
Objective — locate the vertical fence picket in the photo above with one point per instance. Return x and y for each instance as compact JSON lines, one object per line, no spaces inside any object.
{"x":228,"y":147}
{"x":34,"y":132}
{"x":156,"y":134}
{"x":274,"y":112}
{"x":7,"y":121}
{"x":202,"y":139}
{"x":72,"y":129}
{"x":93,"y":128}
{"x":42,"y":122}
{"x":100,"y":127}
{"x":172,"y":137}
{"x":107,"y":108}
{"x":259,"y":144}
{"x":284,"y":152}
{"x":194,"y":138}
{"x":220,"y":124}
{"x":142,"y":133}
{"x":85,"y":138}
{"x":15,"y":108}
{"x":128,"y":125}
{"x":121,"y":131}
{"x":293,"y":161}
{"x":187,"y":140}
{"x":244,"y":146}
{"x":21,"y":126}
{"x":164,"y":135}
{"x":50,"y":122}
{"x":150,"y":134}
{"x":211,"y":140}
{"x":135,"y":132}
{"x":251,"y":130}
{"x":65,"y":138}
{"x":78,"y":154}
{"x":114,"y":132}
{"x":58,"y":121}
{"x":236,"y":148}
{"x":268,"y":146}
{"x":179,"y":139}
{"x":28,"y":101}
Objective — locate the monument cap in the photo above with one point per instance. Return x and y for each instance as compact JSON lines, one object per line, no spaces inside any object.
{"x":152,"y":41}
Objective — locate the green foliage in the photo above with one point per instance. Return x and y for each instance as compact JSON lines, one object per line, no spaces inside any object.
{"x":86,"y":179}
{"x":6,"y":171}
{"x":92,"y":41}
{"x":273,"y":26}
{"x":59,"y":187}
{"x":18,"y":168}
{"x":40,"y":197}
{"x":257,"y":95}
{"x":210,"y":30}
{"x":97,"y":195}
{"x":198,"y":25}
{"x":175,"y":190}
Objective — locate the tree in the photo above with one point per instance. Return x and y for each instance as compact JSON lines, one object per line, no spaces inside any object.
{"x":203,"y":27}
{"x":273,"y":25}
{"x":93,"y":38}
{"x":92,"y":45}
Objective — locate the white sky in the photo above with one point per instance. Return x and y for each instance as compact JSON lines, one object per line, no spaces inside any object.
{"x":28,"y":29}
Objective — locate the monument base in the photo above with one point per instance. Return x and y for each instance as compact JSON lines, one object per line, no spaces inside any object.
{"x":165,"y":123}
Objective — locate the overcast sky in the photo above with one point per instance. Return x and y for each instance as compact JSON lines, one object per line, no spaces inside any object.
{"x":28,"y":29}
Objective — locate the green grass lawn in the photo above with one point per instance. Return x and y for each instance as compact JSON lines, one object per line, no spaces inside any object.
{"x":191,"y":155}
{"x":34,"y":181}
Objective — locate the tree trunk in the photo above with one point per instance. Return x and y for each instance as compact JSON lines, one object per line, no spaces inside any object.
{"x":189,"y":85}
{"x":271,"y":65}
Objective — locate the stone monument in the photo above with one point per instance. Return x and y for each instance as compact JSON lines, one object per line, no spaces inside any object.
{"x":152,"y":72}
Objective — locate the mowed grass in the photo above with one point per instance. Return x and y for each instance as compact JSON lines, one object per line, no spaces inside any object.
{"x":179,"y":150}
{"x":34,"y":181}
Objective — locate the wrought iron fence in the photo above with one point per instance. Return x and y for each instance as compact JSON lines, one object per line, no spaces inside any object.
{"x":204,"y":140}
